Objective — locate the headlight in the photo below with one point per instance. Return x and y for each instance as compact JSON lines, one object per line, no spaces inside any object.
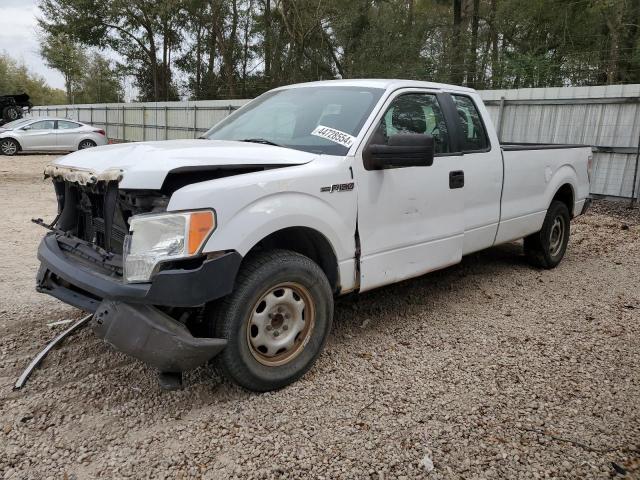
{"x":159,"y":237}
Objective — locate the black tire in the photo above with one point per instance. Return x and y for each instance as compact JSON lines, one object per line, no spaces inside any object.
{"x":8,"y":146}
{"x":546,"y":248}
{"x":11,"y":113}
{"x":229,"y":318}
{"x":86,"y":144}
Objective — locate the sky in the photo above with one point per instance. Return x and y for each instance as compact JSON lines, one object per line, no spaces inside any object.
{"x":19,"y":39}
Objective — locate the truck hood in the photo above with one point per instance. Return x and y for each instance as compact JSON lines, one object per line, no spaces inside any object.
{"x":146,"y":165}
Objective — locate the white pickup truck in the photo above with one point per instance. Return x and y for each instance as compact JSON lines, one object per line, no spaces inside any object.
{"x":234,"y":245}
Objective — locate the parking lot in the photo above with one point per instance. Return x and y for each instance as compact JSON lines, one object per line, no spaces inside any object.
{"x":489,"y":369}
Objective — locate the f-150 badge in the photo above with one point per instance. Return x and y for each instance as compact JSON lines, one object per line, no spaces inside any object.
{"x":338,"y":187}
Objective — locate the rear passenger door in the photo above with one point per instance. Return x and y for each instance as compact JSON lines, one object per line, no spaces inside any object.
{"x":67,"y":135}
{"x":482,"y":165}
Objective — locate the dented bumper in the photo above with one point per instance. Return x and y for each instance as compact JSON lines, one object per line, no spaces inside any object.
{"x":150,"y":335}
{"x":127,"y":315}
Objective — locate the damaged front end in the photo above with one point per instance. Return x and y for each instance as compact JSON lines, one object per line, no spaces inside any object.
{"x":160,"y":322}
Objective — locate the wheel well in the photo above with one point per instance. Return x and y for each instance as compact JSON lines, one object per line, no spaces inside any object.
{"x":307,"y":242}
{"x":565,"y":195}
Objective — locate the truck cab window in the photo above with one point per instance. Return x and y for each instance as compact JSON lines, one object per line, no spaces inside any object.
{"x":415,"y":113}
{"x":474,"y":137}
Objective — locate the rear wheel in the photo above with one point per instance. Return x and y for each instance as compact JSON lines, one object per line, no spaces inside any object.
{"x":86,"y":144}
{"x":9,"y":146}
{"x":276,"y":321}
{"x":546,"y":248}
{"x":11,"y":113}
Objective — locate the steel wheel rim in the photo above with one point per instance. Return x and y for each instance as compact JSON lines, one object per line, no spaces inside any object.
{"x":8,"y":148}
{"x":556,"y":237}
{"x":85,"y":144}
{"x":280,"y":324}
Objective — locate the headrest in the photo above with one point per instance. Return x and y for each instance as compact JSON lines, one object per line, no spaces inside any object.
{"x":409,"y":117}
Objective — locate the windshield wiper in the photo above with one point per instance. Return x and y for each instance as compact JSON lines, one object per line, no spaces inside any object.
{"x":263,"y":141}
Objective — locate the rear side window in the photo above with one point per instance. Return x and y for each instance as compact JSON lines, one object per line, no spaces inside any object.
{"x":64,"y":125}
{"x":474,"y":136}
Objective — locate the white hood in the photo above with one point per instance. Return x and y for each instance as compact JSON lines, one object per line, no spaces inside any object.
{"x":145,"y":165}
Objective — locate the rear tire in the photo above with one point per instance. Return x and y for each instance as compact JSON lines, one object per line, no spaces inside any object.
{"x":546,"y":248}
{"x":276,"y":321}
{"x":86,"y":144}
{"x":9,"y":147}
{"x":11,"y":113}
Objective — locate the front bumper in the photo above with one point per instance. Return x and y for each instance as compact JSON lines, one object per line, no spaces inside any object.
{"x":148,"y":334}
{"x":64,"y":277}
{"x":126,"y":315}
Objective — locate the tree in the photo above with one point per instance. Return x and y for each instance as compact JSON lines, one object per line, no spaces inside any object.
{"x":100,"y":82}
{"x":227,"y":48}
{"x":62,"y":54}
{"x":143,"y":32}
{"x":16,"y":78}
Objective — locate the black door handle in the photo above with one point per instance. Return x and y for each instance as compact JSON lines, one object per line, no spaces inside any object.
{"x":456,"y":179}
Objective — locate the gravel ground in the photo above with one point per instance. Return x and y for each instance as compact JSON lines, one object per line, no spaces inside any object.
{"x":489,"y":369}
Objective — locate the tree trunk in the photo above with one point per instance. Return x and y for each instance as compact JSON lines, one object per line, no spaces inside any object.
{"x":267,"y":42}
{"x":457,"y":67}
{"x":496,"y":80}
{"x":472,"y":79}
{"x":198,"y":86}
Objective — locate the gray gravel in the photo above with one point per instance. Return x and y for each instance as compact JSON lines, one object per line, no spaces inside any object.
{"x":489,"y":369}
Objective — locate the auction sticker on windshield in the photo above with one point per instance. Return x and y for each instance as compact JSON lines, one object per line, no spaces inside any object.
{"x":334,"y":135}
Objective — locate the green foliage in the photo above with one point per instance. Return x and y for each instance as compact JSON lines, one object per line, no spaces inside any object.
{"x":240,"y":48}
{"x":61,"y":53}
{"x":89,"y":77}
{"x":100,"y":83}
{"x":16,"y":78}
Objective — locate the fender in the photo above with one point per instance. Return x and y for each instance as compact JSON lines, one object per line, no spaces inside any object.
{"x":252,"y":206}
{"x":566,"y":174}
{"x":274,"y":212}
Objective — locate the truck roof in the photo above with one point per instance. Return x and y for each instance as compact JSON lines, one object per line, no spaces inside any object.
{"x":387,"y":84}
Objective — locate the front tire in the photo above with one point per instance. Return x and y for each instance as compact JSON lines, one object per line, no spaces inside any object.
{"x":9,"y":147}
{"x":546,"y":248}
{"x":276,"y":321}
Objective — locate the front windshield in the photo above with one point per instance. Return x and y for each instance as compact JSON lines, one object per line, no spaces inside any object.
{"x":294,"y":118}
{"x":16,"y":123}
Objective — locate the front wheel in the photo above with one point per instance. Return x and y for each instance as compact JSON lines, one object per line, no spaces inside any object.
{"x":276,"y":321}
{"x":9,"y":146}
{"x":546,"y":248}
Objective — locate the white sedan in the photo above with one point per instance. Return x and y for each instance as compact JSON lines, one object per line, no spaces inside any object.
{"x":46,"y":134}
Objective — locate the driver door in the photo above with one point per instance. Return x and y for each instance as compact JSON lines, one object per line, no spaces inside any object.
{"x":410,"y":220}
{"x":39,"y":135}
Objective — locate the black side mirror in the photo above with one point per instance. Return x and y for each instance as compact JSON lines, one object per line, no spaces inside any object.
{"x":402,"y":150}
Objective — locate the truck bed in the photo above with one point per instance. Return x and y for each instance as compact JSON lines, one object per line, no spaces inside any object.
{"x":533,"y":173}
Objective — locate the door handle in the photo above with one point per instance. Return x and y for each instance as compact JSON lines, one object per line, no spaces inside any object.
{"x":456,"y":179}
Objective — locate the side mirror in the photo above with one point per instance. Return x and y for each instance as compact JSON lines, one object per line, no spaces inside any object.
{"x":26,"y":127}
{"x":403,"y":150}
